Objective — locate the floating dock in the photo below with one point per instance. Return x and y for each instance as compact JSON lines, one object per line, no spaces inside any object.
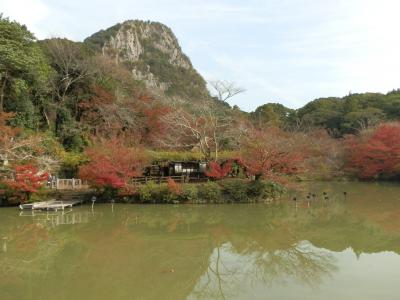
{"x":50,"y":205}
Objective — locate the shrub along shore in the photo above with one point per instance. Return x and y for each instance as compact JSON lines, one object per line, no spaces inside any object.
{"x":222,"y":191}
{"x":213,"y":192}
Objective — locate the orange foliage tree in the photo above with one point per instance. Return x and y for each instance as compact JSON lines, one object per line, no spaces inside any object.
{"x":218,"y":171}
{"x":272,"y":154}
{"x":7,"y":137}
{"x":153,"y":111}
{"x":104,"y":115}
{"x":137,"y":116}
{"x":375,"y":153}
{"x":27,"y":181}
{"x":112,"y":164}
{"x":173,"y":187}
{"x":16,"y":147}
{"x":325,"y":154}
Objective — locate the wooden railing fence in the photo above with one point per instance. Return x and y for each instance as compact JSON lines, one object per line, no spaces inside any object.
{"x":68,"y":184}
{"x":79,"y":184}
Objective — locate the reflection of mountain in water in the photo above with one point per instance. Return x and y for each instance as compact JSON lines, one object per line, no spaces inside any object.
{"x":187,"y":251}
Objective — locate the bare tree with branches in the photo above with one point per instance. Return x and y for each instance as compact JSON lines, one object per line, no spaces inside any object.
{"x":71,"y":62}
{"x":225,"y":90}
{"x":203,"y":129}
{"x":17,"y":147}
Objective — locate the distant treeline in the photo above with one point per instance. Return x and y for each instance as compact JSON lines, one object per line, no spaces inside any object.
{"x":340,"y":116}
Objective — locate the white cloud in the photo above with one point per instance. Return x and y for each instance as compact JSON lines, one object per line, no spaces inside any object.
{"x":28,"y":12}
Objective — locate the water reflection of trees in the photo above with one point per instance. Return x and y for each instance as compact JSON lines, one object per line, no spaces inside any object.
{"x":31,"y":251}
{"x":202,"y":251}
{"x":303,"y":263}
{"x":228,"y":271}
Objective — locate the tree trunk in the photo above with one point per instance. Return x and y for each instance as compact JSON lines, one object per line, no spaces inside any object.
{"x":208,"y":154}
{"x":2,"y":88}
{"x":27,"y":197}
{"x":46,"y":117}
{"x":216,"y":146}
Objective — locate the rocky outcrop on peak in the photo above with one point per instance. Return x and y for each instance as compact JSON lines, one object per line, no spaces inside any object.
{"x":151,"y":52}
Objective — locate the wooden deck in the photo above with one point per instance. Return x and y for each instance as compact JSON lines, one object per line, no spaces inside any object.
{"x":50,"y":205}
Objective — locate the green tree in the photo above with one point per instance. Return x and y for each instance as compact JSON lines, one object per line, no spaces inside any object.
{"x":271,"y":114}
{"x":73,"y":77}
{"x":24,"y":71}
{"x":362,"y":119}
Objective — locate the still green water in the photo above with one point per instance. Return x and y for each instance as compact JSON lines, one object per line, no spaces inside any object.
{"x":332,"y":248}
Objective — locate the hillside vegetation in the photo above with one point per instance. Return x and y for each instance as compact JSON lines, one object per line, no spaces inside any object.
{"x":131,"y":87}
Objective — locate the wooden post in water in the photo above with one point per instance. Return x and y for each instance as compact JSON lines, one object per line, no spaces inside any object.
{"x":5,"y":244}
{"x":93,"y":201}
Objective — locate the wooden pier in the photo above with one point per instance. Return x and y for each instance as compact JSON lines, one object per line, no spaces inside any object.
{"x":50,"y":205}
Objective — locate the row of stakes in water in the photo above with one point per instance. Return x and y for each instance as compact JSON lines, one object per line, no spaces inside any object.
{"x":313,"y":197}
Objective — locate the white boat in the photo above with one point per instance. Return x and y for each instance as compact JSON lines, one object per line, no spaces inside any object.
{"x":51,"y":205}
{"x":47,"y":205}
{"x":33,"y":205}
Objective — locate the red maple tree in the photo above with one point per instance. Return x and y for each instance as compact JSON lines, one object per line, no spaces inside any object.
{"x":7,"y":135}
{"x":217,"y":171}
{"x":27,"y":180}
{"x":153,"y":111}
{"x":375,"y":153}
{"x":112,"y":164}
{"x":272,"y":154}
{"x":173,"y":187}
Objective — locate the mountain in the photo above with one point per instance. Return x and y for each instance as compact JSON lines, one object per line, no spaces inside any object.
{"x":151,"y":52}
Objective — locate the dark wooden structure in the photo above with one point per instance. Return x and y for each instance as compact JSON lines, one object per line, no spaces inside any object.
{"x":177,"y":168}
{"x":164,"y":179}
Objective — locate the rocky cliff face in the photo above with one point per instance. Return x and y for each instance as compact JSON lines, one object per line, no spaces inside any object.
{"x":152,"y":53}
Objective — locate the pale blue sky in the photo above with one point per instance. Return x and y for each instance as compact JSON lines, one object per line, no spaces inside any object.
{"x":287,"y":51}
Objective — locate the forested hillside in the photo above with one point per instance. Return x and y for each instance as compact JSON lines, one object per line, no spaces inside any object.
{"x":131,"y":86}
{"x":340,"y":116}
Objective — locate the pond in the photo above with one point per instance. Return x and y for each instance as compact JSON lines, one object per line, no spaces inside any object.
{"x":327,"y":247}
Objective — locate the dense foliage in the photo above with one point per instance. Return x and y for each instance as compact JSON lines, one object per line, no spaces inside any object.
{"x":340,"y":116}
{"x":112,"y":164}
{"x":69,"y":109}
{"x":24,"y":74}
{"x":376,"y":153}
{"x":27,"y":180}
